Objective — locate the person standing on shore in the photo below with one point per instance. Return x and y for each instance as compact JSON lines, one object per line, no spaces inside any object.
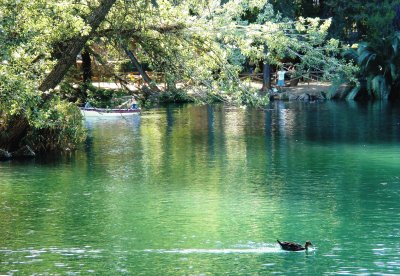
{"x":281,"y":78}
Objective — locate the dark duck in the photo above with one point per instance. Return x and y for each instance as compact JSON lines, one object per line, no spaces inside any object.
{"x":291,"y":246}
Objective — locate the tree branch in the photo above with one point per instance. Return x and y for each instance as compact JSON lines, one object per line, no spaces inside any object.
{"x":75,"y":46}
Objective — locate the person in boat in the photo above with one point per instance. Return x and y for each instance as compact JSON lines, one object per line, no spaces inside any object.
{"x":133,"y":104}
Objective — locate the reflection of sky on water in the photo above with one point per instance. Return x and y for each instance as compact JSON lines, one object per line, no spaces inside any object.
{"x":134,"y":121}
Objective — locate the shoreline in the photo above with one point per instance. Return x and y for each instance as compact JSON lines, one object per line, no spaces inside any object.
{"x":315,"y":90}
{"x":304,"y":91}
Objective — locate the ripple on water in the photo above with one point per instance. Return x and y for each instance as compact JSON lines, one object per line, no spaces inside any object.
{"x":254,"y":250}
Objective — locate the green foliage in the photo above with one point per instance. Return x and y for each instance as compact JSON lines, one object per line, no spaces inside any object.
{"x":296,"y":8}
{"x":100,"y":97}
{"x":57,"y":126}
{"x":175,"y":96}
{"x":17,"y":92}
{"x":206,"y":44}
{"x":379,"y":68}
{"x":28,"y":32}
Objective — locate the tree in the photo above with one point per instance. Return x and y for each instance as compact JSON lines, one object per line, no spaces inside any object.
{"x":29,"y":117}
{"x":75,"y":45}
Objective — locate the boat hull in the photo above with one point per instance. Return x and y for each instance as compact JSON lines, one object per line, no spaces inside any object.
{"x":104,"y":112}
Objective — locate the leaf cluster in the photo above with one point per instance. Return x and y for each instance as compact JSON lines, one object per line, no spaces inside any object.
{"x":379,"y":69}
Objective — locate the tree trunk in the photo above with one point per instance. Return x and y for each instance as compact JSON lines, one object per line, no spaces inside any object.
{"x":86,"y":73}
{"x":154,"y":3}
{"x":86,"y":66}
{"x":266,"y":72}
{"x":12,"y":135}
{"x":143,"y":73}
{"x":75,"y":46}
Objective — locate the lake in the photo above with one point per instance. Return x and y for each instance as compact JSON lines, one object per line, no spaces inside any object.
{"x":207,"y":190}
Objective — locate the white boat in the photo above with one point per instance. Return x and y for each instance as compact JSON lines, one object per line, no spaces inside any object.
{"x":108,"y":112}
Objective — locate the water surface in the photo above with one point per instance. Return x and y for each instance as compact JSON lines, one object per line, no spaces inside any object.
{"x":197,"y":190}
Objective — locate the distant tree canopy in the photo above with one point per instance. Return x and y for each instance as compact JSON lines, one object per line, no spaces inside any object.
{"x":186,"y":39}
{"x":352,"y":20}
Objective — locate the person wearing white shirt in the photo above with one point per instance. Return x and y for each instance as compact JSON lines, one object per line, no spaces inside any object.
{"x":281,"y":78}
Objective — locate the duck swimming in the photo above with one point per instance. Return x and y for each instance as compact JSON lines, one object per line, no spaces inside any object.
{"x":291,"y":246}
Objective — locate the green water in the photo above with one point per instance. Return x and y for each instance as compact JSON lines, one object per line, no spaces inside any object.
{"x":199,"y":190}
